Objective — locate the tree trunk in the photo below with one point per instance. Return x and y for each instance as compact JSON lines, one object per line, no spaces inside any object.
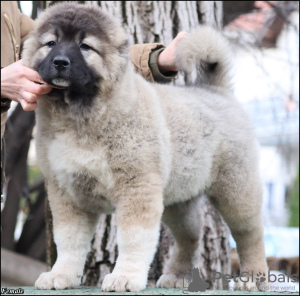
{"x":148,"y":22}
{"x":17,"y":137}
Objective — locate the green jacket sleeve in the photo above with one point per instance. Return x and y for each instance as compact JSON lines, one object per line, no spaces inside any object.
{"x":144,"y":58}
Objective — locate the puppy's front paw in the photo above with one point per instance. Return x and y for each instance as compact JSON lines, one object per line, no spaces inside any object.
{"x":123,"y":283}
{"x":245,"y":284}
{"x":170,"y":281}
{"x":58,"y":281}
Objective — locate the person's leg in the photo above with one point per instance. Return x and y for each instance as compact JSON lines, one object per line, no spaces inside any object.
{"x":3,"y":122}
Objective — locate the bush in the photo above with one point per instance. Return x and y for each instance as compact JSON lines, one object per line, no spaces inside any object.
{"x":294,"y":204}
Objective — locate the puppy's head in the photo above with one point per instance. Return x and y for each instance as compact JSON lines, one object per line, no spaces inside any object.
{"x":78,"y":48}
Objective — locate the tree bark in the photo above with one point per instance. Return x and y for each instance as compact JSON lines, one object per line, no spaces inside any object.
{"x":32,"y":241}
{"x":17,"y":137}
{"x":147,"y":22}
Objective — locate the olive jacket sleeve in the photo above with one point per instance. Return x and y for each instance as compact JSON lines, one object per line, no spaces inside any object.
{"x":144,"y":58}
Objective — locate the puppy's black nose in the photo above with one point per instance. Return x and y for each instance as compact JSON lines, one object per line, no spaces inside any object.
{"x":61,"y":62}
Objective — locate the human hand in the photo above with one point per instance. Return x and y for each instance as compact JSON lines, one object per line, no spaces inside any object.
{"x":166,"y":59}
{"x":18,"y":84}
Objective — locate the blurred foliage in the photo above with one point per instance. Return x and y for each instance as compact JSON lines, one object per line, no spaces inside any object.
{"x":294,"y":204}
{"x":34,"y":174}
{"x":34,"y":177}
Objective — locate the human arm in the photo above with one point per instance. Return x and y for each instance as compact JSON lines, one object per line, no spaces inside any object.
{"x":154,"y":61}
{"x":18,"y":84}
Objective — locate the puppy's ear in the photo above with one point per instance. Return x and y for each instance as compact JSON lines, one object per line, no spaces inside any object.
{"x":120,"y":39}
{"x":30,"y":46}
{"x":123,"y":48}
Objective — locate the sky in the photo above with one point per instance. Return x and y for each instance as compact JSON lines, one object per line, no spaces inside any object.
{"x":26,"y":7}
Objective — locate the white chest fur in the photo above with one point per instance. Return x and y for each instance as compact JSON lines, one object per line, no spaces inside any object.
{"x":68,"y":158}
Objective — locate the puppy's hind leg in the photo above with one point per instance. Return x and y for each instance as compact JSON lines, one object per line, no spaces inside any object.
{"x":73,"y":230}
{"x":184,"y":222}
{"x":237,"y":194}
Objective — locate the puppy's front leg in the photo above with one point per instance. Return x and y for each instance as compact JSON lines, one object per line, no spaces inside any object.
{"x":139,"y":207}
{"x":73,"y":230}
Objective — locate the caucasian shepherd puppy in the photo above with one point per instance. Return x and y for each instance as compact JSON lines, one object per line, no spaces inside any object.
{"x":108,"y":140}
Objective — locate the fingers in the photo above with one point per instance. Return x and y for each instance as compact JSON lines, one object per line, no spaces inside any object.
{"x":33,"y":91}
{"x":30,"y":74}
{"x":32,"y":94}
{"x":181,"y":34}
{"x":28,"y":106}
{"x":30,"y":97}
{"x":166,"y":60}
{"x":44,"y":89}
{"x":23,"y":85}
{"x":38,"y":89}
{"x":29,"y":101}
{"x":32,"y":77}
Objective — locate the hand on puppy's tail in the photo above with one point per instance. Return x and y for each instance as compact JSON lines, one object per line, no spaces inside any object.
{"x":206,"y":49}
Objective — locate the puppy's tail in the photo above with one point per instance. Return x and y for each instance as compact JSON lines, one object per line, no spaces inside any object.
{"x":208,"y":51}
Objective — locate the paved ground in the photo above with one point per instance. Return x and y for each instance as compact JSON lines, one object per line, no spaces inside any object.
{"x":97,"y":291}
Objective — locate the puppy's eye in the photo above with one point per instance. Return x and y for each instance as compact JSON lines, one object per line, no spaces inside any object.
{"x":85,"y":46}
{"x":51,"y":43}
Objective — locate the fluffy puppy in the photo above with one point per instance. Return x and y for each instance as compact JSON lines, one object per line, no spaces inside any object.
{"x":108,"y":140}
